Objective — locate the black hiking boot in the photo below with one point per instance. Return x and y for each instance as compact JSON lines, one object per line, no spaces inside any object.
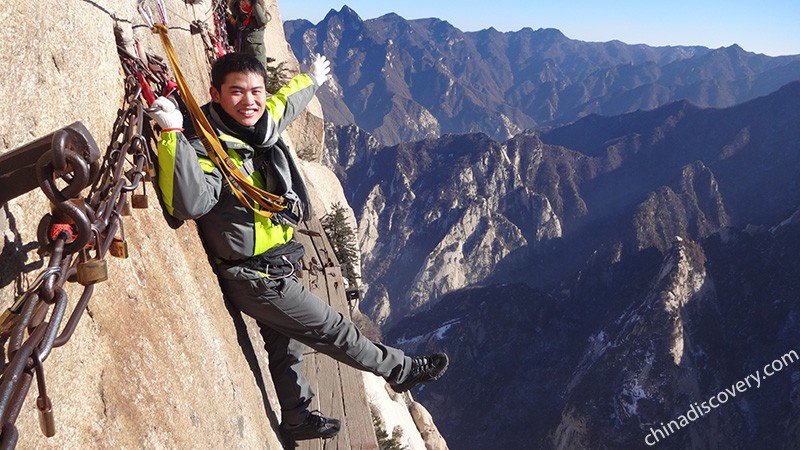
{"x":315,"y":426}
{"x":423,"y":370}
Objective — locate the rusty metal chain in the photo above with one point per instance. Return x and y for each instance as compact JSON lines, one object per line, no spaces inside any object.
{"x":220,"y":15}
{"x":215,"y":43}
{"x":77,"y":235}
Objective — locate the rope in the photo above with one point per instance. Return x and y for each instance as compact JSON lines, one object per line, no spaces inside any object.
{"x":248,"y":194}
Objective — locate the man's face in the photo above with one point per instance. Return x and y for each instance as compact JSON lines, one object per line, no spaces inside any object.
{"x":242,"y":96}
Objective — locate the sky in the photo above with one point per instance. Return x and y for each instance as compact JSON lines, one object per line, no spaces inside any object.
{"x":771,"y":27}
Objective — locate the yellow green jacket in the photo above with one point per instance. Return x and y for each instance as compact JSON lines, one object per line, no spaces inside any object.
{"x":191,"y":187}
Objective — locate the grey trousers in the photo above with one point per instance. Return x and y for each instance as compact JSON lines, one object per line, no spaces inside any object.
{"x":290,"y":318}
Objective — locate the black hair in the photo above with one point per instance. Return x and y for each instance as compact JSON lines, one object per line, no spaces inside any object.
{"x":235,"y":62}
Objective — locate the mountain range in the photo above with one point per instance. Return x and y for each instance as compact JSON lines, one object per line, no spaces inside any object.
{"x":621,"y":250}
{"x":406,"y":80}
{"x":591,"y":252}
{"x":441,"y":214}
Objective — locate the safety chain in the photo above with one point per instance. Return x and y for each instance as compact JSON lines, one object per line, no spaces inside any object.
{"x":80,"y":231}
{"x":216,"y":44}
{"x":220,"y":24}
{"x":76,"y":235}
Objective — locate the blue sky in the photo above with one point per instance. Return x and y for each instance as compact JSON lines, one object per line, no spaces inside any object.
{"x":771,"y":27}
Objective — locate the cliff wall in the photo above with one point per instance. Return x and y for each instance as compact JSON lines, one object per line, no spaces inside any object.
{"x":155,"y":361}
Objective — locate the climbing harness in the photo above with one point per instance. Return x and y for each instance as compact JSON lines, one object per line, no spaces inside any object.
{"x":258,"y":200}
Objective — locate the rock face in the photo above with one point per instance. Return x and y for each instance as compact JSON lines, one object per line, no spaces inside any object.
{"x":463,"y":210}
{"x":504,"y":344}
{"x":400,"y":412}
{"x":694,"y":207}
{"x":439,"y":215}
{"x":651,"y":349}
{"x":157,"y":360}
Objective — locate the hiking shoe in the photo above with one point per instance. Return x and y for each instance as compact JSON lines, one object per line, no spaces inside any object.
{"x":423,"y":370}
{"x":315,"y":426}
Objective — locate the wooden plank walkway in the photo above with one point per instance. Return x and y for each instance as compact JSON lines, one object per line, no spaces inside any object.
{"x":339,"y":388}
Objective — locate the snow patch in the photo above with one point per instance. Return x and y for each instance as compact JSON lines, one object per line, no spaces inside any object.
{"x":635,"y":392}
{"x":392,"y":413}
{"x":793,"y":219}
{"x":403,"y":341}
{"x":439,"y":334}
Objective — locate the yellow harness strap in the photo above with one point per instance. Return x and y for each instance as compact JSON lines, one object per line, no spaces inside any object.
{"x":268,"y":202}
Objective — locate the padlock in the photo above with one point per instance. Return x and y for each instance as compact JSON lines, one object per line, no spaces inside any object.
{"x":118,"y":248}
{"x":126,"y":209}
{"x":46,"y":420}
{"x":139,"y":201}
{"x":92,"y":271}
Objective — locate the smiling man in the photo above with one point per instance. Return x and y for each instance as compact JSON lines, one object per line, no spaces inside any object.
{"x":255,"y":257}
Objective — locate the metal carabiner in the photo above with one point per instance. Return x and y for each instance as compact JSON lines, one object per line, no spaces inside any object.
{"x":147,"y":13}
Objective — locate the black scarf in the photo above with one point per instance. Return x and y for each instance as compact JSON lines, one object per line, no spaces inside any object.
{"x":272,"y":158}
{"x":256,"y":135}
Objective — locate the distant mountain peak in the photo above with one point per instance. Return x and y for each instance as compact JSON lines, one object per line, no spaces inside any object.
{"x":551,"y":32}
{"x":735,"y":48}
{"x":348,"y":10}
{"x":346,"y":14}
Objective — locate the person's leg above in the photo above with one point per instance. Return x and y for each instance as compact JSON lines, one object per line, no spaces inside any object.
{"x":288,"y":308}
{"x":294,"y":392}
{"x":337,"y":337}
{"x":285,"y":364}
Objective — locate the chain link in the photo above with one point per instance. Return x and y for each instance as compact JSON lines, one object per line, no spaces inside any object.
{"x":77,"y":235}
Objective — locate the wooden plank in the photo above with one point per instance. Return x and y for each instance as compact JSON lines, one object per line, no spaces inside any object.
{"x":355,"y":404}
{"x":311,"y":371}
{"x":329,"y":395}
{"x":310,"y":364}
{"x":339,"y":388}
{"x":326,"y":256}
{"x":320,"y":370}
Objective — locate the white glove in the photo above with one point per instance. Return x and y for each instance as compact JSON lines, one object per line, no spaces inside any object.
{"x":320,"y":69}
{"x":166,"y":113}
